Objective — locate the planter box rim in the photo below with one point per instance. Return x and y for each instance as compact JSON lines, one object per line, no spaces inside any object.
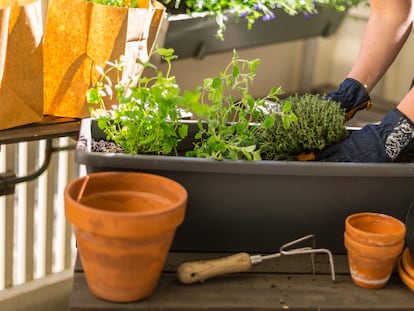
{"x":237,"y":167}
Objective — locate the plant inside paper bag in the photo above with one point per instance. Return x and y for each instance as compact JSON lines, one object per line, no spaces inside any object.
{"x":118,"y":3}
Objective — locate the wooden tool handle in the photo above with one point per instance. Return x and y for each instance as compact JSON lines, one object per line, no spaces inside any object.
{"x":195,"y":271}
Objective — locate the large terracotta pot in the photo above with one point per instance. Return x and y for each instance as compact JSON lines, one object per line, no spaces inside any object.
{"x":124,"y":224}
{"x":373,"y":242}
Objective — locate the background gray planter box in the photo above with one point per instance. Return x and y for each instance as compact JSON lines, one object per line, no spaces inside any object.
{"x":258,"y":206}
{"x":195,"y":37}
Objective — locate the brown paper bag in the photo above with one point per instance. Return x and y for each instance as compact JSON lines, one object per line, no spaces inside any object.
{"x":21,"y":62}
{"x":80,"y":35}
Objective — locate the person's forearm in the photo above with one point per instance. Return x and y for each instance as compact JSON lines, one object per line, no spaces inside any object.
{"x":387,"y":30}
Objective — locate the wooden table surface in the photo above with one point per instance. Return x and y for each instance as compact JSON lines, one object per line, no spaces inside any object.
{"x":285,"y":283}
{"x":49,"y":127}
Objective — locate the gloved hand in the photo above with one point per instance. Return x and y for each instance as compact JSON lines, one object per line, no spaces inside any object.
{"x":391,"y":140}
{"x":352,"y":96}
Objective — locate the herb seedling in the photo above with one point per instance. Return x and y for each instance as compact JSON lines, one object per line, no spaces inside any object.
{"x":231,"y":115}
{"x":147,"y":116}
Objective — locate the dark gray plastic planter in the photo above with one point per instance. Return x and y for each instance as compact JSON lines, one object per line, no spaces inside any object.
{"x":195,"y":37}
{"x":258,"y":206}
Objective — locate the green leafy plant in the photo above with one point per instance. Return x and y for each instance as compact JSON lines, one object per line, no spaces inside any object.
{"x":231,"y":123}
{"x":117,"y":3}
{"x":229,"y":117}
{"x":147,"y":114}
{"x":320,"y":122}
{"x":252,"y":10}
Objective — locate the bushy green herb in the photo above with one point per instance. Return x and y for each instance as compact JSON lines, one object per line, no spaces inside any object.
{"x":146,"y":118}
{"x":320,"y":122}
{"x":229,"y":112}
{"x":117,"y":3}
{"x":252,"y":10}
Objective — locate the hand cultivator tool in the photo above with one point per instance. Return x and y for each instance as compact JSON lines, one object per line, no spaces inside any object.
{"x":195,"y":271}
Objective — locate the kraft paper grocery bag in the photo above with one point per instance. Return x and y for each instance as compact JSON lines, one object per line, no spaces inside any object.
{"x":80,"y":35}
{"x":21,"y":62}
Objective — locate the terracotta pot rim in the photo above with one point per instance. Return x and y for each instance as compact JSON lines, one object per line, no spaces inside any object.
{"x":397,"y":222}
{"x":90,"y":210}
{"x":126,"y":223}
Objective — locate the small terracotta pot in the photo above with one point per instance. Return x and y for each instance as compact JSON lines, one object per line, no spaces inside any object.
{"x":124,"y":224}
{"x":374,"y":229}
{"x":373,"y":242}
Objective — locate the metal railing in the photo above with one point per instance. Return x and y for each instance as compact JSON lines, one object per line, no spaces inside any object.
{"x":36,"y":241}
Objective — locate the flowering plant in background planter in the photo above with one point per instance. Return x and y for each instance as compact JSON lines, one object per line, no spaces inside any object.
{"x":252,"y":10}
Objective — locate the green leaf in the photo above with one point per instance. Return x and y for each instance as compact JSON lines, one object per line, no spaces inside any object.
{"x":166,"y":54}
{"x":286,"y":121}
{"x":233,"y":155}
{"x":257,"y":156}
{"x":217,"y":83}
{"x":287,"y":106}
{"x":293,"y":118}
{"x":183,"y":131}
{"x":147,"y":140}
{"x":93,"y":97}
{"x":253,"y":65}
{"x":268,"y":122}
{"x":250,"y":148}
{"x":236,"y":71}
{"x":247,"y":155}
{"x":220,"y":147}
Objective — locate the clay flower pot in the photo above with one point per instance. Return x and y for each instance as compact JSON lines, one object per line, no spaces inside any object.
{"x":405,"y":266}
{"x":373,"y":242}
{"x":124,"y":224}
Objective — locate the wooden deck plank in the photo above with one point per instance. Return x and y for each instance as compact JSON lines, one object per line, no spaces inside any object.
{"x":282,"y":284}
{"x":257,"y":292}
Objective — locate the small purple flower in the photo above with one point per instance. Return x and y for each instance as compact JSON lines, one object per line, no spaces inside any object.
{"x":257,"y":6}
{"x":269,"y":17}
{"x":243,"y":14}
{"x":306,"y":15}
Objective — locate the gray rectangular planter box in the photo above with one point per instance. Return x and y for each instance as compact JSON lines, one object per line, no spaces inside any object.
{"x":258,"y":206}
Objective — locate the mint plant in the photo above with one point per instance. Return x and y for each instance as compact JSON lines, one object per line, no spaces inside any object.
{"x":147,"y":116}
{"x":229,"y":117}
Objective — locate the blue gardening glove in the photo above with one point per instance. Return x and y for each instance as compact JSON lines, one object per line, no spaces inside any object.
{"x":352,"y":96}
{"x":390,"y":141}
